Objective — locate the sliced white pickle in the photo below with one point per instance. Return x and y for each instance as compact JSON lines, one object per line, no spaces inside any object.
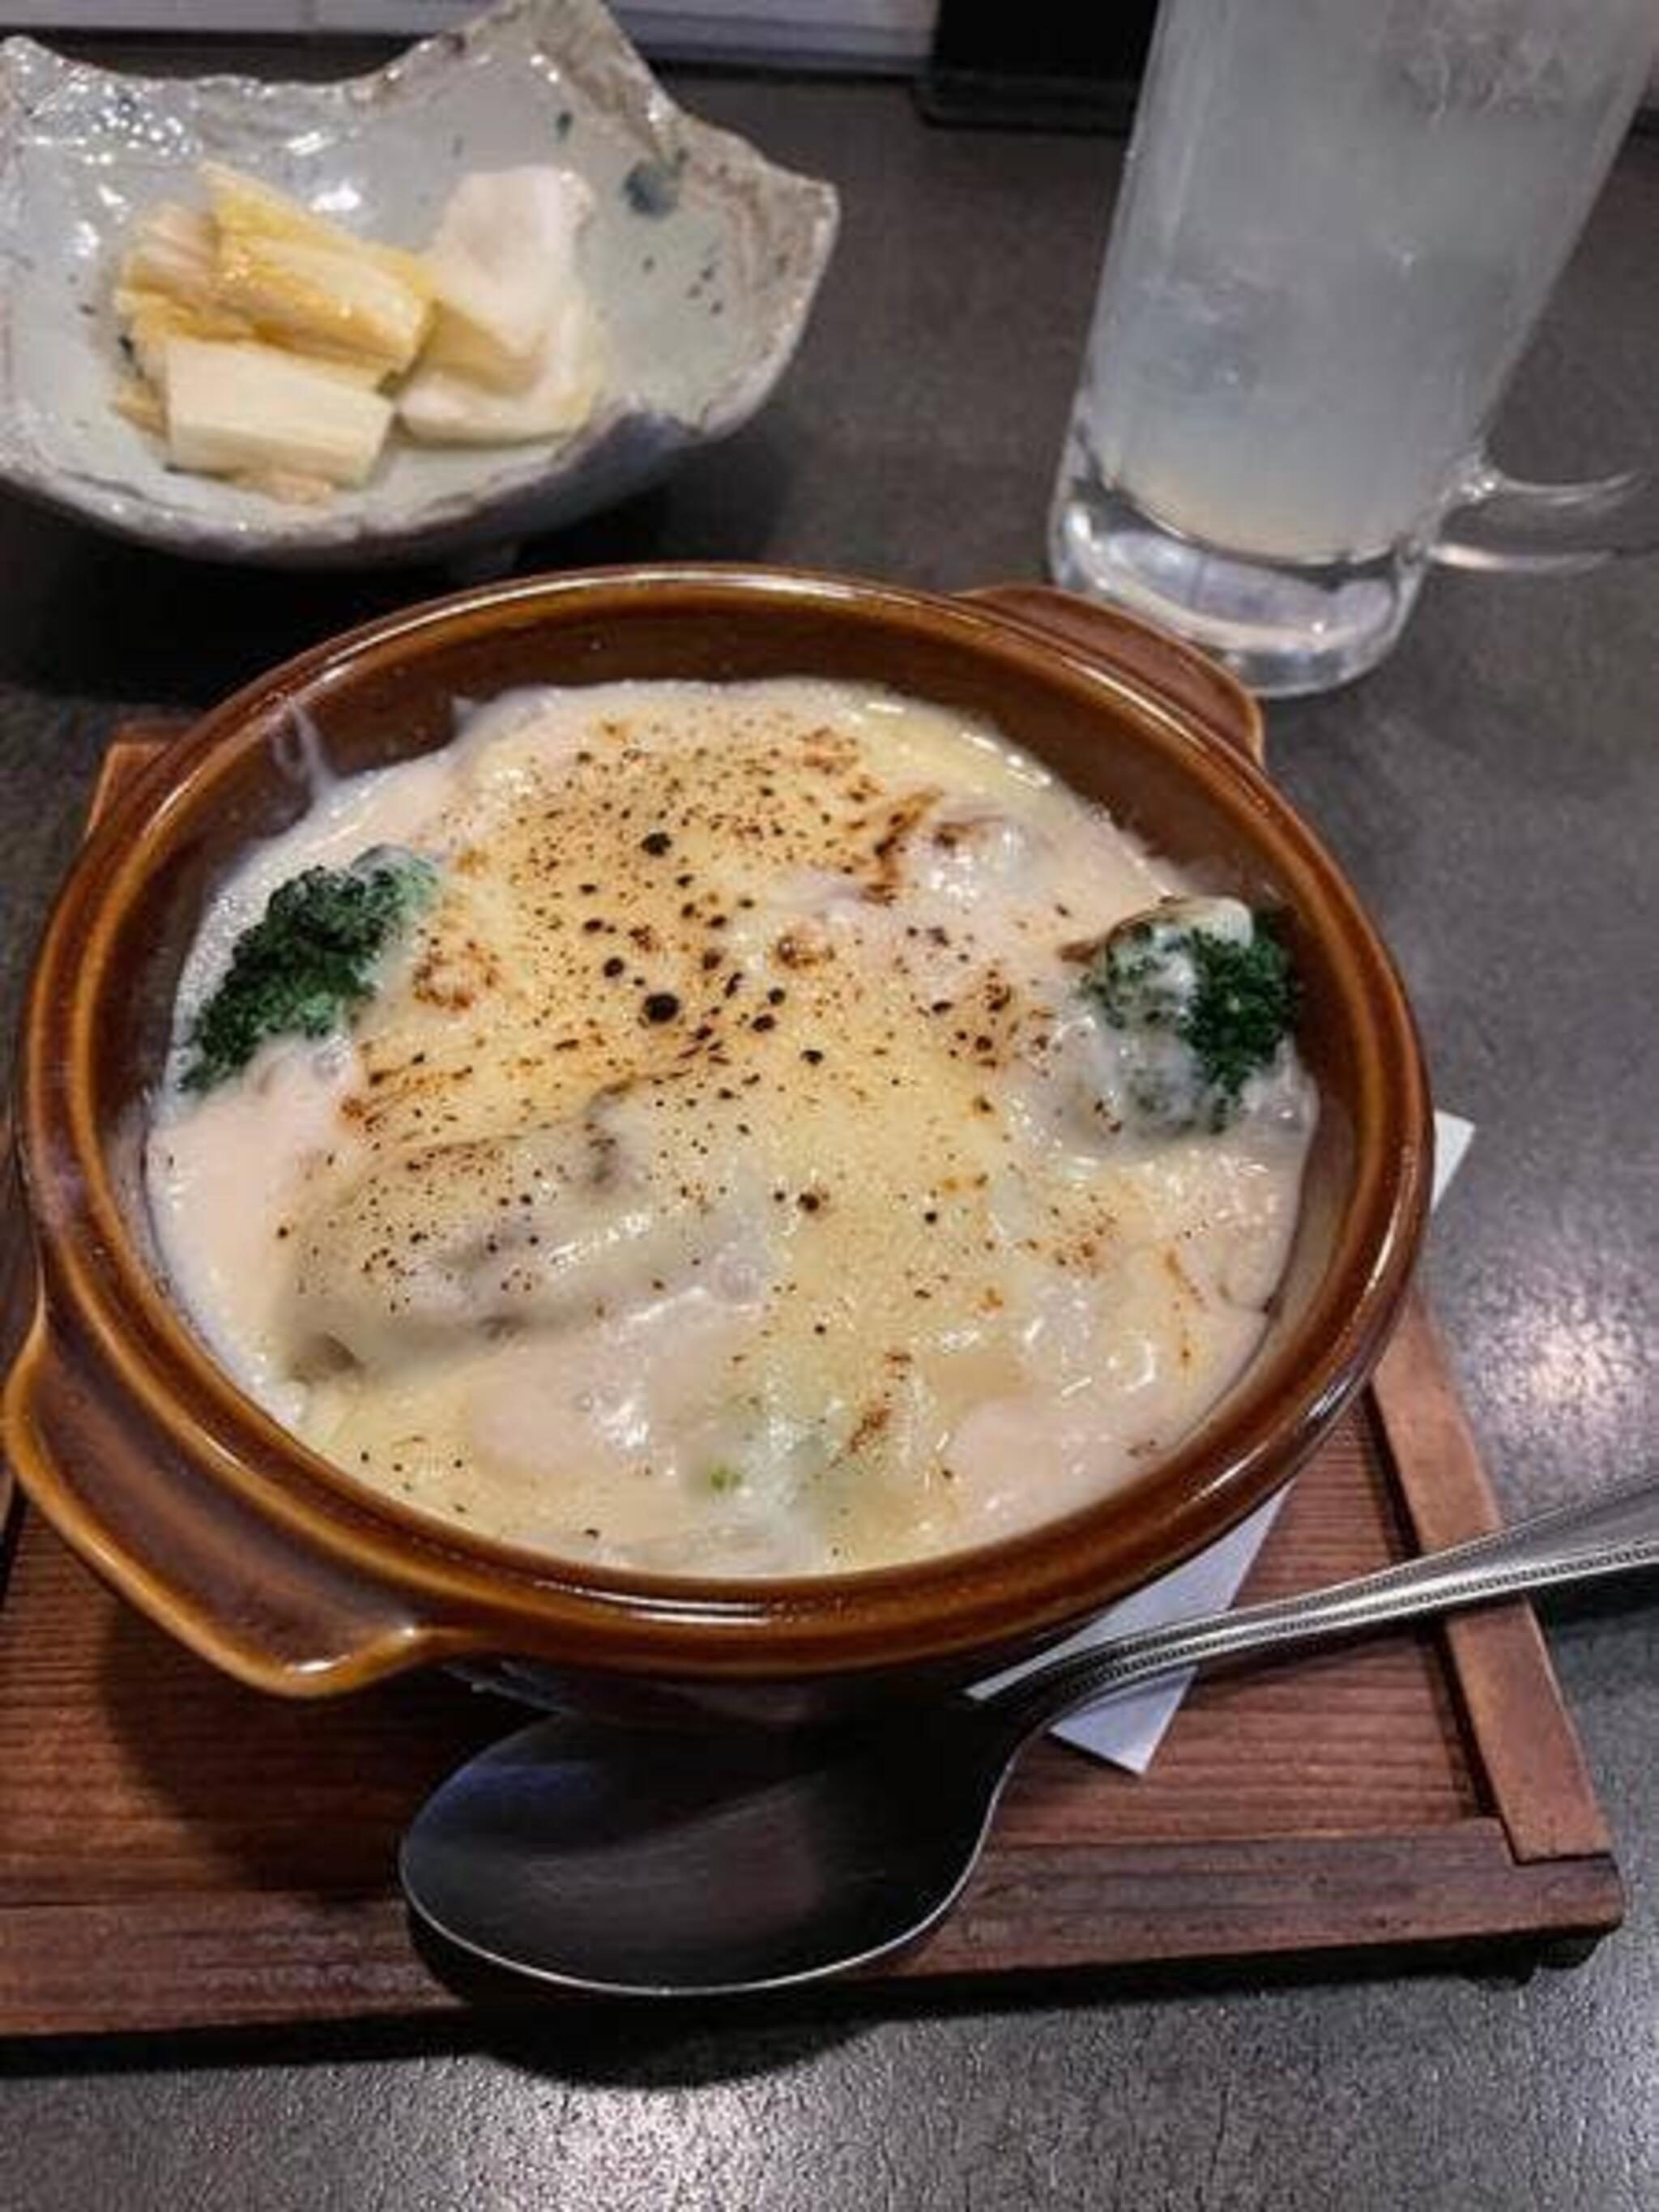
{"x":238,"y":408}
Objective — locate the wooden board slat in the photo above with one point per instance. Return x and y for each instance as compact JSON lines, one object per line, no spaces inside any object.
{"x":225,"y":1960}
{"x":1533,"y":1765}
{"x":178,"y":1851}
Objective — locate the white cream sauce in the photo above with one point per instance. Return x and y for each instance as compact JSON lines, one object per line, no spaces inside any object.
{"x":717,"y":1182}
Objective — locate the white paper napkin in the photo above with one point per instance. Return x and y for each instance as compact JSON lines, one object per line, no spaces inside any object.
{"x":1127,"y":1730}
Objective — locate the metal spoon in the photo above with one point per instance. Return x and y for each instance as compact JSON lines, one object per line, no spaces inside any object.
{"x":667,"y":1863}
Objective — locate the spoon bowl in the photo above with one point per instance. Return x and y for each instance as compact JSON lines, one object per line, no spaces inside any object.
{"x":697,"y":1864}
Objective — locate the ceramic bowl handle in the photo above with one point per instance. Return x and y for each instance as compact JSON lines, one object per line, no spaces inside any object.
{"x":1123,"y":646}
{"x":237,"y":1587}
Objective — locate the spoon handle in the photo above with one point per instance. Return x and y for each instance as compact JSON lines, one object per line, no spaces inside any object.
{"x":1613,"y":1533}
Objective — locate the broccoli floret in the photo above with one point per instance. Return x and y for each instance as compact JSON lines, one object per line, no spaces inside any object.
{"x":306,"y":966}
{"x":1202,"y":993}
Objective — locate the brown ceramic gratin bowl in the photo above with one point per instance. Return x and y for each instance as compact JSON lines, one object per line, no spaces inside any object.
{"x":282,"y":1570}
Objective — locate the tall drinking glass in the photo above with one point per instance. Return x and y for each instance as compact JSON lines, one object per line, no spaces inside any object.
{"x":1341,"y":221}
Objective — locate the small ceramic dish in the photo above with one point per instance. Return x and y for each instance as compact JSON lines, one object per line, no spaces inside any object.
{"x":279,"y":1567}
{"x":703,"y":256}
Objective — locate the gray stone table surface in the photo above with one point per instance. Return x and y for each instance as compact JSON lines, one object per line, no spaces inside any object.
{"x":1494,"y":791}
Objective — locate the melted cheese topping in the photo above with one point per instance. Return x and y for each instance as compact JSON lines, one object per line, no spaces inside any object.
{"x":719,"y":1183}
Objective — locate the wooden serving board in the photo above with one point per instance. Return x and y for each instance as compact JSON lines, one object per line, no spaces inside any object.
{"x":177,"y":1851}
